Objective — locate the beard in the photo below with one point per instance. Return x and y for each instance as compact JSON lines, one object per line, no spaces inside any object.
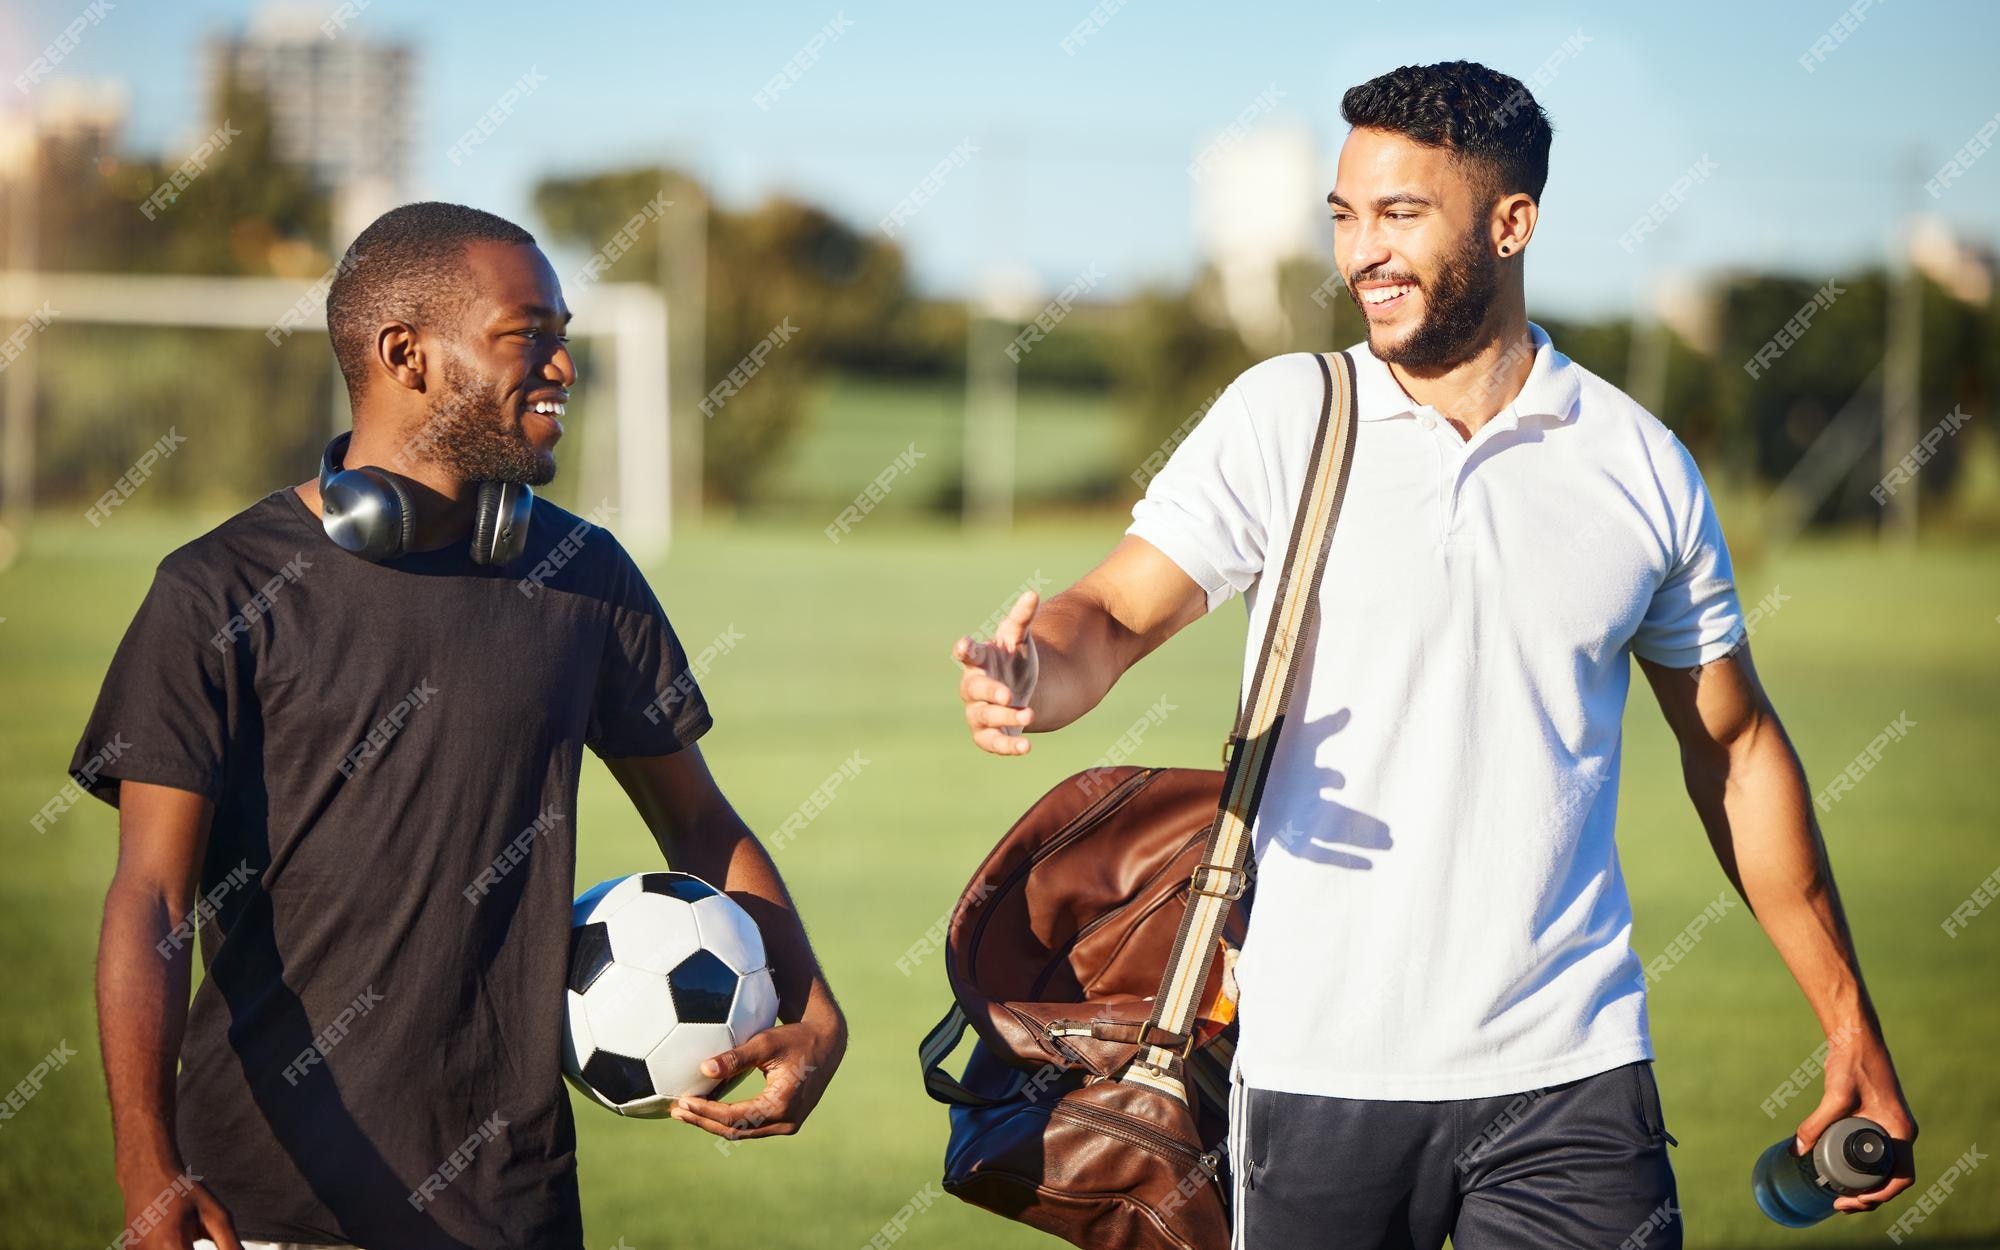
{"x":1456,"y":304}
{"x":479,"y":438}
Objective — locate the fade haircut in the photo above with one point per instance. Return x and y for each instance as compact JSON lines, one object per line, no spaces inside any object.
{"x":408,"y":265}
{"x":1489,"y":121}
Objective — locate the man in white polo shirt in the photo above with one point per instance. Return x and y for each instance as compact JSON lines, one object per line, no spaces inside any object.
{"x":1443,"y":1024}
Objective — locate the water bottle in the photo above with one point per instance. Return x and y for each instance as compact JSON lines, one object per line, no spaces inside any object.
{"x":1852,"y":1156}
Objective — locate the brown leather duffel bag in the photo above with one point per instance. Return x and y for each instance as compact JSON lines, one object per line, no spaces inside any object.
{"x":1089,"y":954}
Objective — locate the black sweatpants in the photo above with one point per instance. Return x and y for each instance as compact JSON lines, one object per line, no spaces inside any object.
{"x":1577,"y":1166}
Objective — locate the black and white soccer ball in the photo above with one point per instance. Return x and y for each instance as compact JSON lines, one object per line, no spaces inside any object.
{"x":665,"y":971}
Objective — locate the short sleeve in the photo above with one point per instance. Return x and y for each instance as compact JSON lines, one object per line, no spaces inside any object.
{"x":647,"y":701}
{"x":1694,"y":616}
{"x":163,"y":714}
{"x":1208,"y":509}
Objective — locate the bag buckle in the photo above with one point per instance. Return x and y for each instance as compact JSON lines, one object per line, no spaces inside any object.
{"x":1236,"y":881}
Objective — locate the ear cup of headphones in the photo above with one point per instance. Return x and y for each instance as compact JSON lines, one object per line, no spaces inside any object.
{"x":364,"y":510}
{"x":500,"y":530}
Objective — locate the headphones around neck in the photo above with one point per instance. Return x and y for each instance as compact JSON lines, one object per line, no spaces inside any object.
{"x":367,"y":511}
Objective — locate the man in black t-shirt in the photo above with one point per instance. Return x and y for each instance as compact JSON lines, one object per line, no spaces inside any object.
{"x":357,"y":782}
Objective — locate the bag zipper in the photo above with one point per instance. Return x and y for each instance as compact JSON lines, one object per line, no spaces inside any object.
{"x":1078,"y":825}
{"x":1136,"y":1131}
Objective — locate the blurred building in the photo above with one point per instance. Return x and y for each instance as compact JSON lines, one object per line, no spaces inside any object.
{"x":341,"y":102}
{"x":79,"y":121}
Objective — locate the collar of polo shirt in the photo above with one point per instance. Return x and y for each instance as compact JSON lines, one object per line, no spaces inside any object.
{"x":1551,"y":390}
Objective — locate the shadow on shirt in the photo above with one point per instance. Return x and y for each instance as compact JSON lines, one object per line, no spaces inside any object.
{"x":1341,"y":830}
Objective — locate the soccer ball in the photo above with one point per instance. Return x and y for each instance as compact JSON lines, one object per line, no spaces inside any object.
{"x":665,"y":971}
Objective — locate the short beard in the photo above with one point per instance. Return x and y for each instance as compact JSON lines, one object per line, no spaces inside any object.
{"x":475,"y":438}
{"x":1456,"y":305}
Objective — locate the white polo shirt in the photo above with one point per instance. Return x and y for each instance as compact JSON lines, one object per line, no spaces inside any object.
{"x":1439,"y":909}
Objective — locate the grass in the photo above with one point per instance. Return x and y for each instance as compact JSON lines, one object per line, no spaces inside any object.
{"x":844,"y":648}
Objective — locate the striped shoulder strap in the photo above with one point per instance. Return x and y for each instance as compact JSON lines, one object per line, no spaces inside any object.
{"x":1223,"y":874}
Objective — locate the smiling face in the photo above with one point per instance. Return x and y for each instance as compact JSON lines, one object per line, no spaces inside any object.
{"x":496,"y":411}
{"x":1412,"y":237}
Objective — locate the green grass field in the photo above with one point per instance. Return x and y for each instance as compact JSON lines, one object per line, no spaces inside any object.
{"x":844,"y":649}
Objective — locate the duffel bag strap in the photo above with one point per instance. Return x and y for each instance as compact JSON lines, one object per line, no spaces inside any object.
{"x":936,"y":1048}
{"x":1223,"y":872}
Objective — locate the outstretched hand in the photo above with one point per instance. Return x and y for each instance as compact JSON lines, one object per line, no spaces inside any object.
{"x":997,"y":678}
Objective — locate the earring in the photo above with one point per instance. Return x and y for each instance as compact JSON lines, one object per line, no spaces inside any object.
{"x":1503,"y":249}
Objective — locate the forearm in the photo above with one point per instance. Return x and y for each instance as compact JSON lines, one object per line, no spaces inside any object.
{"x":725,"y":852}
{"x":1754,"y":801}
{"x":1083,"y":650}
{"x":141,"y":1011}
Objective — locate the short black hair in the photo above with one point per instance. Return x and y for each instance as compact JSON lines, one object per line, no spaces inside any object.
{"x":1480,"y":114}
{"x":408,"y":265}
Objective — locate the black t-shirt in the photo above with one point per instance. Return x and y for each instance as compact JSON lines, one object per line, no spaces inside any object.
{"x":374,"y":1055}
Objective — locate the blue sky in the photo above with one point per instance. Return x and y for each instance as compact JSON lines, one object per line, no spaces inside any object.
{"x":1082,"y":159}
